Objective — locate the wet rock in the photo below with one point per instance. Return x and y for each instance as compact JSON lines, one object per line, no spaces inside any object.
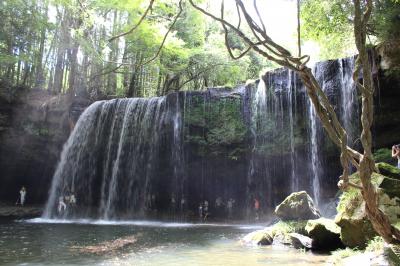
{"x":282,"y":239}
{"x":324,"y":233}
{"x":300,"y":241}
{"x":107,"y":246}
{"x":260,"y":237}
{"x":297,"y":206}
{"x":18,"y":212}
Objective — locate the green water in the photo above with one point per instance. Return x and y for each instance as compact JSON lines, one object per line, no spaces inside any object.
{"x":39,"y":242}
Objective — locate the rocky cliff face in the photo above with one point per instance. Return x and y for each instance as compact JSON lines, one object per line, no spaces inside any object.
{"x":33,"y":128}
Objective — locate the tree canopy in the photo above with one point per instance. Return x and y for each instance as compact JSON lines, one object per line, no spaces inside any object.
{"x":67,"y":46}
{"x":330,"y":24}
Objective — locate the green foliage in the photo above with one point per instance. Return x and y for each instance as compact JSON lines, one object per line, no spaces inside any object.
{"x":287,"y":227}
{"x":352,"y":198}
{"x":383,"y":155}
{"x":330,"y":24}
{"x":338,"y":255}
{"x":216,"y":127}
{"x":375,"y":244}
{"x":387,"y":20}
{"x":327,"y":23}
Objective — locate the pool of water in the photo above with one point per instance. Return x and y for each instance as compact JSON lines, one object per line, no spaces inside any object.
{"x":46,"y":242}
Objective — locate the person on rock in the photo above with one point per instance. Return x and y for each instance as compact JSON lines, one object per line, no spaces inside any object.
{"x":22,"y":196}
{"x":396,"y":154}
{"x":61,"y":205}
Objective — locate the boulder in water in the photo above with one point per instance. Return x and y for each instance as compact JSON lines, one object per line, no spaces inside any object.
{"x":324,"y":233}
{"x":260,"y":237}
{"x":297,"y":206}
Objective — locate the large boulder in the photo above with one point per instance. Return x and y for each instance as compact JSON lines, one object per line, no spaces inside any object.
{"x":324,"y":233}
{"x":356,"y":229}
{"x":297,"y":206}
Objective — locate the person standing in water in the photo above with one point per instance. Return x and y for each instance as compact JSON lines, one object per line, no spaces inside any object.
{"x":61,"y":205}
{"x":201,"y":211}
{"x":205,"y":211}
{"x":22,"y":196}
{"x":396,"y":154}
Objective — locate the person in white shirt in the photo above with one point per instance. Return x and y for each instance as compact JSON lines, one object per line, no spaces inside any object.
{"x":22,"y":197}
{"x":61,"y":205}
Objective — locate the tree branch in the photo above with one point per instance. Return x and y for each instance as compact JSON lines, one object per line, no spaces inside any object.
{"x":149,"y":7}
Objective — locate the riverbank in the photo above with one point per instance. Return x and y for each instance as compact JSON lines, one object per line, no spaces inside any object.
{"x":19,"y":212}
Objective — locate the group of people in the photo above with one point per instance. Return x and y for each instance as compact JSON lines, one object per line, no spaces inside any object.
{"x":222,"y":209}
{"x":64,"y":201}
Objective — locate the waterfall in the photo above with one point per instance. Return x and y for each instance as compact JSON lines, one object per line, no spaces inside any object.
{"x":315,"y":160}
{"x":163,"y":156}
{"x":110,"y":159}
{"x":349,"y":106}
{"x":291,"y":90}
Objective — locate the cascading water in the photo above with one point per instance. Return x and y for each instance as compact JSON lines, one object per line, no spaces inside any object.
{"x":110,"y":159}
{"x":315,"y":163}
{"x":349,"y":106}
{"x":316,"y":167}
{"x":129,"y":158}
{"x":291,"y":90}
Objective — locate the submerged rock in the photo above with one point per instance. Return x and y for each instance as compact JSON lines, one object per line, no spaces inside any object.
{"x":18,"y":212}
{"x":324,"y":233}
{"x":297,"y":206}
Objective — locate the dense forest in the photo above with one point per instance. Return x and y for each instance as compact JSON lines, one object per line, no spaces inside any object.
{"x":139,"y":48}
{"x":68,"y":46}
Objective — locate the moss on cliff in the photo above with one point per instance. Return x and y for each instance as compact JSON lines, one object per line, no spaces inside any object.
{"x":216,"y":126}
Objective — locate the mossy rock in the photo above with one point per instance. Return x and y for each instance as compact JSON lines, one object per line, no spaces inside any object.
{"x":356,"y":229}
{"x":260,"y":237}
{"x":297,"y":206}
{"x":279,"y":233}
{"x":325,"y":234}
{"x":388,"y":170}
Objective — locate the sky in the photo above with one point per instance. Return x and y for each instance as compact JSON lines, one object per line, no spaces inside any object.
{"x":280,"y":19}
